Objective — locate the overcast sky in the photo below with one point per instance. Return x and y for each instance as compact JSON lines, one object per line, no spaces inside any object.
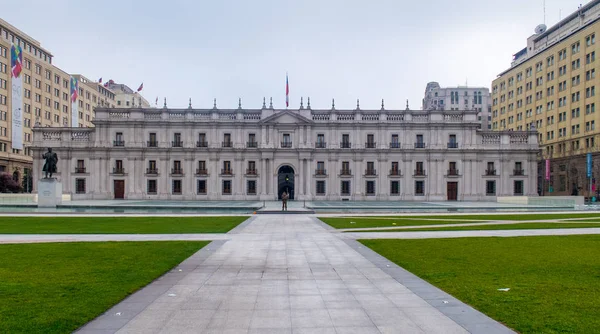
{"x":342,"y":49}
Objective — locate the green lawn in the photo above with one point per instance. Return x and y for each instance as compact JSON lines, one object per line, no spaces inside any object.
{"x":388,"y":221}
{"x":112,"y":225}
{"x":554,"y":281}
{"x":58,"y":287}
{"x":523,"y":226}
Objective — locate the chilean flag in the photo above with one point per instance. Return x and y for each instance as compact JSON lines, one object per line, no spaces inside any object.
{"x":287,"y":91}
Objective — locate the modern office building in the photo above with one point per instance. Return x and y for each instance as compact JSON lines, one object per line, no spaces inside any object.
{"x":256,"y":154}
{"x":551,"y":86}
{"x":459,"y":98}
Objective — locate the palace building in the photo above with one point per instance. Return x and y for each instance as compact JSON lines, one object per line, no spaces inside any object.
{"x":256,"y":154}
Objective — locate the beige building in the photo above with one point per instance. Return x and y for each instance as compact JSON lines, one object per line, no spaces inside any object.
{"x":46,"y":97}
{"x":126,"y":97}
{"x":551,"y":87}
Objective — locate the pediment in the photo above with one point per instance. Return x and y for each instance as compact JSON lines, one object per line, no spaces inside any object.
{"x":286,"y":117}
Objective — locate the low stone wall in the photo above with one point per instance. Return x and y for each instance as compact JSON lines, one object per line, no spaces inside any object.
{"x":7,"y":199}
{"x":542,"y":200}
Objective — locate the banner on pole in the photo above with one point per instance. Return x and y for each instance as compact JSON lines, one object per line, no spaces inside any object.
{"x":589,"y":165}
{"x":16,"y":59}
{"x":74,"y":107}
{"x":547,"y":169}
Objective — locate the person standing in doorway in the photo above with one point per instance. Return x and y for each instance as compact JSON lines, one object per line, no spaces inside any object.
{"x":284,"y":199}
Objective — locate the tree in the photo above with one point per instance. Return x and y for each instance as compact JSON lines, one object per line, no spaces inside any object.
{"x":8,"y":185}
{"x":27,"y":183}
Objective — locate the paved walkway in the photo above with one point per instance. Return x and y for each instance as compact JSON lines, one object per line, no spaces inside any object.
{"x":289,"y":274}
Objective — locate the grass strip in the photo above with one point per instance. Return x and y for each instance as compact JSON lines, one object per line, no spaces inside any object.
{"x":523,"y":226}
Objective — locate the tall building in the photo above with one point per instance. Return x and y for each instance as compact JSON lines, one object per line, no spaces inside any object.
{"x":459,"y":98}
{"x":256,"y":154}
{"x":126,"y":97}
{"x":551,"y":87}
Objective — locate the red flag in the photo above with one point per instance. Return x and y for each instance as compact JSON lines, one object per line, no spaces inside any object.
{"x":141,"y":87}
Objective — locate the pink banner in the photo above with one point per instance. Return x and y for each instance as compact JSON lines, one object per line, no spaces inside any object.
{"x":547,"y":170}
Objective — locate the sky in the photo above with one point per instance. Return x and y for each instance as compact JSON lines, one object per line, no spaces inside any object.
{"x":330,"y":49}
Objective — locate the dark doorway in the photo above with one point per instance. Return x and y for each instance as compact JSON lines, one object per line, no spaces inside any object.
{"x":119,"y":188}
{"x":285,"y":181}
{"x":452,"y":191}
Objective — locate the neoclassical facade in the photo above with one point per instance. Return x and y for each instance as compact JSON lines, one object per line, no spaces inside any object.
{"x":241,"y":154}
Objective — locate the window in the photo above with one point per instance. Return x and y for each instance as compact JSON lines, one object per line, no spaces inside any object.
{"x":251,"y":187}
{"x":152,"y":167}
{"x":252,"y":140}
{"x":452,"y":141}
{"x":490,"y":188}
{"x":419,"y":170}
{"x":176,"y":187}
{"x":370,"y":141}
{"x":226,"y":167}
{"x":119,"y":141}
{"x":202,"y":140}
{"x":345,"y":188}
{"x":320,"y":168}
{"x":151,"y":187}
{"x":518,"y":187}
{"x":420,"y":188}
{"x":590,"y":91}
{"x":590,"y":40}
{"x":419,"y":143}
{"x":226,"y":187}
{"x":287,"y":140}
{"x":590,"y":108}
{"x":591,"y":74}
{"x":80,"y":186}
{"x":152,"y":142}
{"x":395,"y":188}
{"x":590,"y":57}
{"x":227,"y":140}
{"x":575,"y":48}
{"x":370,"y":188}
{"x":177,"y":140}
{"x":575,"y":64}
{"x":320,"y":187}
{"x":201,"y":187}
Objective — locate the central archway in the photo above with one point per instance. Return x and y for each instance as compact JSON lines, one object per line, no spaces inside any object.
{"x":285,"y":181}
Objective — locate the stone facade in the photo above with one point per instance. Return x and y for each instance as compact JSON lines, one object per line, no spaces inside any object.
{"x":240,"y":154}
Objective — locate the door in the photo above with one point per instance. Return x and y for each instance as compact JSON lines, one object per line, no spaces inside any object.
{"x":452,"y":191}
{"x":119,"y":188}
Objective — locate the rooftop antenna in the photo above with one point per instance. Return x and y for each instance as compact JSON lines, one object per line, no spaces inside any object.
{"x":544,"y":11}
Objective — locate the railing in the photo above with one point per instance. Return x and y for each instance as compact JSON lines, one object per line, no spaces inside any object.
{"x":79,"y":170}
{"x":152,"y":171}
{"x":118,"y":170}
{"x":252,"y":144}
{"x":201,"y":171}
{"x":251,"y":171}
{"x":370,"y":172}
{"x":394,"y":145}
{"x":320,"y":171}
{"x":226,"y":171}
{"x":420,"y":145}
{"x":395,"y":172}
{"x":453,"y":172}
{"x":345,"y":144}
{"x":176,"y":171}
{"x":419,"y":172}
{"x":201,"y":144}
{"x":286,"y":144}
{"x":452,"y":145}
{"x":370,"y":144}
{"x":118,"y":143}
{"x":346,"y":172}
{"x":490,"y":172}
{"x":177,"y":144}
{"x":151,"y":143}
{"x":519,"y":172}
{"x":226,"y":144}
{"x":320,"y":144}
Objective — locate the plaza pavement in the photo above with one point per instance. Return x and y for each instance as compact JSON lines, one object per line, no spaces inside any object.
{"x":289,"y":274}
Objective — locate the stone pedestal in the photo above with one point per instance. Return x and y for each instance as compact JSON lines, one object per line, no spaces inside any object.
{"x":49,"y":193}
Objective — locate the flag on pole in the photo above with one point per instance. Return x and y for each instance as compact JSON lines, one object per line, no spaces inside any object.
{"x":156,"y":103}
{"x":141,"y":87}
{"x":100,"y":80}
{"x":287,"y":91}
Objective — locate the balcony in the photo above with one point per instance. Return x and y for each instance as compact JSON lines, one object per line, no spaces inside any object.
{"x":251,"y":171}
{"x":371,"y":172}
{"x":419,"y":172}
{"x":490,"y":172}
{"x":252,"y":144}
{"x":452,"y":145}
{"x":320,"y":172}
{"x":345,"y":144}
{"x":345,"y":172}
{"x":320,"y":144}
{"x":226,"y":171}
{"x":226,"y":144}
{"x":176,"y":171}
{"x":152,"y":143}
{"x":286,"y":144}
{"x":394,"y":145}
{"x":79,"y":170}
{"x":201,"y":143}
{"x":370,"y":144}
{"x":395,"y":172}
{"x":152,"y":171}
{"x":519,"y":172}
{"x":177,"y":143}
{"x":118,"y":170}
{"x":453,"y":172}
{"x":118,"y":143}
{"x":420,"y":145}
{"x":201,"y":171}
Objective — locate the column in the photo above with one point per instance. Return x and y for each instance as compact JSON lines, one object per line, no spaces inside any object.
{"x":164,"y":186}
{"x":263,"y":177}
{"x":301,"y":179}
{"x":239,"y":178}
{"x":272,"y":178}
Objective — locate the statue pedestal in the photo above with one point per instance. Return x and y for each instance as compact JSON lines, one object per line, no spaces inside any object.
{"x":49,"y":193}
